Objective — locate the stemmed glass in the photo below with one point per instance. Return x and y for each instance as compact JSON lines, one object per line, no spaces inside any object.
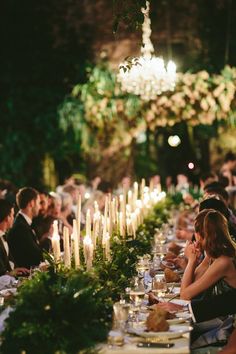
{"x":159,"y":237}
{"x":142,"y":266}
{"x":159,"y":250}
{"x":159,"y":285}
{"x":136,"y":295}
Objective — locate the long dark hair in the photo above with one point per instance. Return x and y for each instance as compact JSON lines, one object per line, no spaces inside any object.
{"x":213,"y":228}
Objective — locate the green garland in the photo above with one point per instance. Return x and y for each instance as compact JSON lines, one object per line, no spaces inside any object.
{"x":58,"y":312}
{"x":69,"y":311}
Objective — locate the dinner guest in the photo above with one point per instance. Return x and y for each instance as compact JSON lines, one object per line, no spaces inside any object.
{"x":217,"y":272}
{"x":22,"y":240}
{"x":6,"y":222}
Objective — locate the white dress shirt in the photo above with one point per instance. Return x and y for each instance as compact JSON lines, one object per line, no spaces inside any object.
{"x":26,"y":217}
{"x":5,"y":244}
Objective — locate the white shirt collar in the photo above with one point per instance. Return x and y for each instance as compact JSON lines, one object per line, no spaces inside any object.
{"x":27,"y":218}
{"x":2,"y":233}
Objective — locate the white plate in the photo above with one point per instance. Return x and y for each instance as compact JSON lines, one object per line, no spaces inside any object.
{"x":185,"y":315}
{"x":180,"y":302}
{"x":5,"y":292}
{"x":178,"y":320}
{"x":177,"y":285}
{"x":175,"y":331}
{"x":170,"y":295}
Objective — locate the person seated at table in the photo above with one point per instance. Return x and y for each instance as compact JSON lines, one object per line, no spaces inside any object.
{"x":217,"y":190}
{"x":182,"y":183}
{"x":22,"y":240}
{"x":54,"y":208}
{"x":206,"y":179}
{"x":6,"y":222}
{"x":44,"y":228}
{"x":217,"y":271}
{"x":44,"y":203}
{"x":213,"y":202}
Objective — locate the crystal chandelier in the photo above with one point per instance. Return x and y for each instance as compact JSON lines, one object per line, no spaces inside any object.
{"x":147,"y":76}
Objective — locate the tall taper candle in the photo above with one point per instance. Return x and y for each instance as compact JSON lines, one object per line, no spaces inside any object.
{"x":66,"y":243}
{"x":76,"y":244}
{"x":56,"y":242}
{"x":88,"y":223}
{"x":104,"y":231}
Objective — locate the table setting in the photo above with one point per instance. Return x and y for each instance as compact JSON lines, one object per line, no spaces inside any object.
{"x":139,"y":324}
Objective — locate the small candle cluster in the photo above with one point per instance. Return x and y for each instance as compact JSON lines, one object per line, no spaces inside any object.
{"x":122,"y":215}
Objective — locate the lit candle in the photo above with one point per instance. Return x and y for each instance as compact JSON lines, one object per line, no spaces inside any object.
{"x":151,"y":185}
{"x":88,"y":223}
{"x":142,"y":188}
{"x":76,"y":244}
{"x":139,"y":205}
{"x":78,"y":221}
{"x":134,"y":224}
{"x":121,"y":224}
{"x":56,"y":242}
{"x":105,"y":222}
{"x":88,"y":252}
{"x":130,"y":200}
{"x":128,"y":223}
{"x":96,"y":222}
{"x":123,"y":210}
{"x":107,"y":247}
{"x":137,"y":213}
{"x":66,"y":243}
{"x":110,"y":223}
{"x":135,"y":194}
{"x":113,"y":210}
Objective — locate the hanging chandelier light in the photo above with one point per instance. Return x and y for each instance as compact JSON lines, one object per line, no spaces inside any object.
{"x":147,"y":76}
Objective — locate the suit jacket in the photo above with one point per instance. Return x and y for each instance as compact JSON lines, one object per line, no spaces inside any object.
{"x":215,"y":306}
{"x":4,"y":260}
{"x":23,"y":244}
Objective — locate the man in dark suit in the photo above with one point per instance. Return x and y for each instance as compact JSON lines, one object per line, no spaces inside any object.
{"x":6,"y":221}
{"x":22,"y":240}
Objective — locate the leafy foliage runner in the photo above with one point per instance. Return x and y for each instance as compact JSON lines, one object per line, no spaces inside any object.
{"x":58,"y":312}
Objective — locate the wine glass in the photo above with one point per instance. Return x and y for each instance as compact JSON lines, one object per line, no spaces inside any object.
{"x":160,"y":250}
{"x":136,"y":295}
{"x":159,"y":237}
{"x":142,"y":266}
{"x":159,"y":285}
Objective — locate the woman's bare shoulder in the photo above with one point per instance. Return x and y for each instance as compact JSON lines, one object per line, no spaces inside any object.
{"x":223,"y":261}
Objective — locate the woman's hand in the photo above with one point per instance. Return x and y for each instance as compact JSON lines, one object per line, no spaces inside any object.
{"x":169,"y":306}
{"x":192,"y":251}
{"x":180,"y":262}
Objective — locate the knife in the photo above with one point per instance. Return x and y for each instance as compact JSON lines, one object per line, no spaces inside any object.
{"x":154,"y":345}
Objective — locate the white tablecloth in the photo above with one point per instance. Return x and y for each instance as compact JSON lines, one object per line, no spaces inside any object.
{"x":182,"y":346}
